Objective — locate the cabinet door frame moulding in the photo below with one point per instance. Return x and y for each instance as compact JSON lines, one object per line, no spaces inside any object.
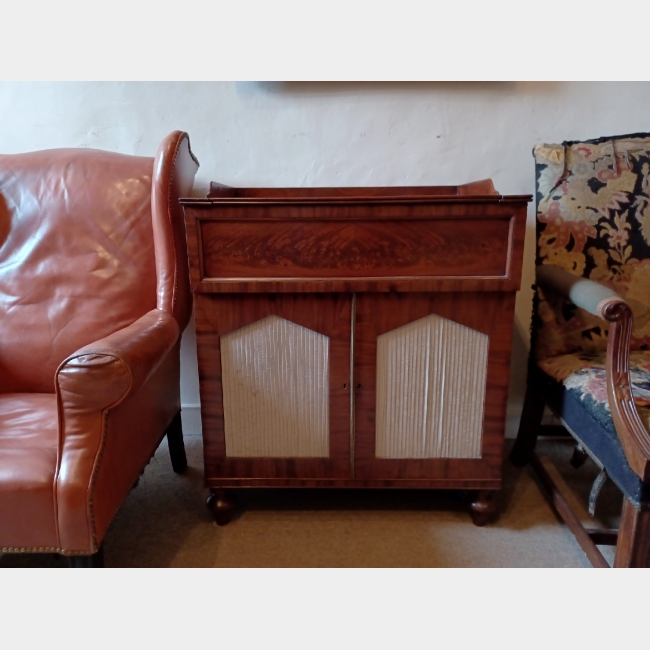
{"x":217,"y":316}
{"x":275,"y":381}
{"x":380,"y":313}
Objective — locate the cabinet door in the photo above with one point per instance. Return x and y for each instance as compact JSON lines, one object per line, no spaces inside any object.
{"x":274,"y":372}
{"x":431,"y":381}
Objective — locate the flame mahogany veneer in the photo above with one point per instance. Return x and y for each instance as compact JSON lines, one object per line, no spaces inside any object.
{"x":353,"y":264}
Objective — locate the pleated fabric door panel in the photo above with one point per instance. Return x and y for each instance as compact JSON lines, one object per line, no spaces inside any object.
{"x":274,"y":373}
{"x":275,"y":378}
{"x":430,"y":390}
{"x":431,"y":384}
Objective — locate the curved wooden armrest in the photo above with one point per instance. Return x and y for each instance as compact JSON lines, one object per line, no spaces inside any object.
{"x":634,"y":437}
{"x":607,"y":304}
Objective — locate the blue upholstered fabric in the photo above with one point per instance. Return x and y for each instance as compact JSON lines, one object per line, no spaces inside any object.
{"x":594,"y":428}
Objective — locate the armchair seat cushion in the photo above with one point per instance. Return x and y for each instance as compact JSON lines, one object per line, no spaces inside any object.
{"x":583,"y":375}
{"x":575,"y":389}
{"x":28,"y":459}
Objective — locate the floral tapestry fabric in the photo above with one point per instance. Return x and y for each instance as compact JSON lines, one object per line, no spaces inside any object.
{"x":583,"y":375}
{"x":593,"y":220}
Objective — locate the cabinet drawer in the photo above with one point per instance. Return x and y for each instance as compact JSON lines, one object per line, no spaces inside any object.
{"x":405,"y":248}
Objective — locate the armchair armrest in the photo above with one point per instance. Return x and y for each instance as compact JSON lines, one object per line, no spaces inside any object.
{"x":89,"y":384}
{"x":100,"y":375}
{"x":608,"y":305}
{"x":582,"y":292}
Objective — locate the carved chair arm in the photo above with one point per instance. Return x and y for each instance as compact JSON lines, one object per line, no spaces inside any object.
{"x":607,"y":304}
{"x":582,"y":292}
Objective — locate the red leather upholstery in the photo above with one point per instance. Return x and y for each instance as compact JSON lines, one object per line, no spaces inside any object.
{"x":94,"y":295}
{"x":28,"y":450}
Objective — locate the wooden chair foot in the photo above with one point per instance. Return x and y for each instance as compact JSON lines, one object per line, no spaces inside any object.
{"x":562,"y":508}
{"x":633,"y":546}
{"x":483,"y":507}
{"x":221,"y":506}
{"x":176,"y":444}
{"x":94,"y":561}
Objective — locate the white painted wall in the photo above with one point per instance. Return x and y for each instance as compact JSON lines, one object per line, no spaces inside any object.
{"x":310,"y":134}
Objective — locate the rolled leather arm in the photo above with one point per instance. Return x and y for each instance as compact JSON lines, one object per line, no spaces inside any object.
{"x":582,"y":292}
{"x":88,"y":384}
{"x":101,"y":374}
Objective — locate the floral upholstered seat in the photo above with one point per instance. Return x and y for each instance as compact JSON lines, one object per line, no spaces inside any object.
{"x":593,"y":249}
{"x":583,"y":375}
{"x":578,"y":392}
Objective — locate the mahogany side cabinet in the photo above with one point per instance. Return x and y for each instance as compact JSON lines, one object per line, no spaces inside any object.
{"x":355,"y":337}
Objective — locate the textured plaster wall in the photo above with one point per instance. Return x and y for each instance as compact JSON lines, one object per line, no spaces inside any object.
{"x":310,"y":134}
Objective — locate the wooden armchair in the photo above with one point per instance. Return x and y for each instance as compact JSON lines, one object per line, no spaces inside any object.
{"x":590,"y":344}
{"x":94,"y":296}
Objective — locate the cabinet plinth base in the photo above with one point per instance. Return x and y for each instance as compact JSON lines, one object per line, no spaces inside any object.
{"x":360,"y":483}
{"x":221,"y":506}
{"x":483,"y":503}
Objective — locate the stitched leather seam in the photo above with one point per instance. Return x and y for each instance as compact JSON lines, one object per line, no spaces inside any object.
{"x":98,"y":463}
{"x":90,"y":516}
{"x":115,"y":511}
{"x":39,"y":549}
{"x":59,"y":457}
{"x":100,"y":454}
{"x":93,"y":475}
{"x":58,"y":549}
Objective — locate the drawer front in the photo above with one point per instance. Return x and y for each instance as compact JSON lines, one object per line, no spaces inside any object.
{"x":405,"y":248}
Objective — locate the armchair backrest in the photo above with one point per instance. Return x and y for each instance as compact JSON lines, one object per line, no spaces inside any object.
{"x":593,"y":220}
{"x":174,"y":169}
{"x":78,"y":256}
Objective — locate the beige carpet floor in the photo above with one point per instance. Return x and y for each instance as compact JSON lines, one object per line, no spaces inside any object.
{"x":164,"y":523}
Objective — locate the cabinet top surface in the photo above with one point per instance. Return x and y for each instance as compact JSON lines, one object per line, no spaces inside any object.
{"x":477,"y":192}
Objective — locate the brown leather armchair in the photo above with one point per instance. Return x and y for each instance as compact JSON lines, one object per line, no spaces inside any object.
{"x":94,"y":296}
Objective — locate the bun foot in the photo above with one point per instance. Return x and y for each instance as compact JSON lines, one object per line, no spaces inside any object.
{"x":483,"y":507}
{"x":220,"y":505}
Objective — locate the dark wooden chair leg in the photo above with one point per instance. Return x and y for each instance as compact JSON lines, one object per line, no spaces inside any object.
{"x":633,"y":545}
{"x":483,"y":507}
{"x":221,"y":505}
{"x":94,"y":561}
{"x":562,"y":508}
{"x":176,"y":445}
{"x":531,"y":419}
